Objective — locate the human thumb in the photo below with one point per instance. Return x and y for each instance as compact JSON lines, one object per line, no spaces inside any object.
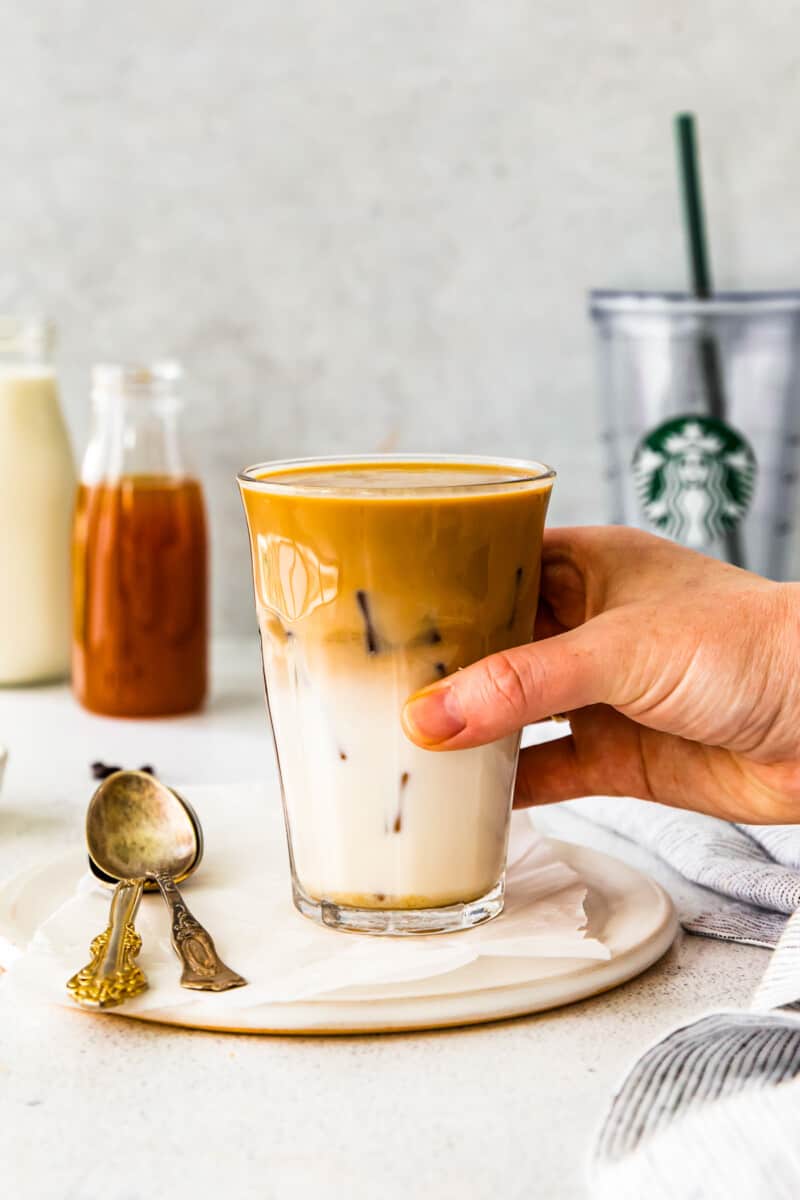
{"x":516,"y":687}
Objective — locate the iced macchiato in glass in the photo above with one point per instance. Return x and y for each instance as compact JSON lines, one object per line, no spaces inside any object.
{"x":373,"y":578}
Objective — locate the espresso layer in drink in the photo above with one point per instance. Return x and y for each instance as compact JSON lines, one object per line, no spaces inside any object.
{"x":371,"y":582}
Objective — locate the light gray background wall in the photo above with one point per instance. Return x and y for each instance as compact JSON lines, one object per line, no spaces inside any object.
{"x":370,"y":224}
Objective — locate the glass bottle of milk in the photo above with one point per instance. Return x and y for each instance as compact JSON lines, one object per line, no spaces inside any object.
{"x":37,"y":495}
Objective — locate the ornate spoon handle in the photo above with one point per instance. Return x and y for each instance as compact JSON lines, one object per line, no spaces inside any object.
{"x":112,"y":976}
{"x":203,"y":969}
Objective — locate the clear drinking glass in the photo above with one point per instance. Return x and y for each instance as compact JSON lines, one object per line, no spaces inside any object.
{"x":667,"y":363}
{"x":373,"y":578}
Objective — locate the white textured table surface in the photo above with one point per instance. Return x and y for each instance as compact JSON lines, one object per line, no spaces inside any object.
{"x":93,"y":1108}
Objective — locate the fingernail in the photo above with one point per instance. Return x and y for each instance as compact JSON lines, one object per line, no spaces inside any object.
{"x":435,"y":716}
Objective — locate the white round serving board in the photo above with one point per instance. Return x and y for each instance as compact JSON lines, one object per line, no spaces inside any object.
{"x":630,"y":913}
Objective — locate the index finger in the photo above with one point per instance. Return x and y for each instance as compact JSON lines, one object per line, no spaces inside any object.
{"x":587,"y":570}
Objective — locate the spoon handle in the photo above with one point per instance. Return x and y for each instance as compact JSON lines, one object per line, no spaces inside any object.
{"x":203,"y":969}
{"x":113,"y":976}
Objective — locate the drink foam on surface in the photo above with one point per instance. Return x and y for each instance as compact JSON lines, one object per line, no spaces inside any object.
{"x":399,"y":476}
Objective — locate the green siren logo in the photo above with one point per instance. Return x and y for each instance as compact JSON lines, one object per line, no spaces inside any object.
{"x":694,"y":476}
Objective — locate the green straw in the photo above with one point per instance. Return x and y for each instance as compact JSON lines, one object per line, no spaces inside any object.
{"x":700,"y":272}
{"x":699,"y":266}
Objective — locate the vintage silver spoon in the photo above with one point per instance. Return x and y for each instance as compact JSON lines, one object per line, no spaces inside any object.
{"x":137,"y":828}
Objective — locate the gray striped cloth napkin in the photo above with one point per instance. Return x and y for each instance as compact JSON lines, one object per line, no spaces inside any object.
{"x":712,"y":1112}
{"x":756,"y":865}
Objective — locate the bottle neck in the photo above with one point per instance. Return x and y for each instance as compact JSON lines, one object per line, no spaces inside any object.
{"x":26,"y":343}
{"x":136,"y":425}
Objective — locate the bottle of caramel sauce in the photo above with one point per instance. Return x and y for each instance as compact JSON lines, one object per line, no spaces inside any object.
{"x":140,"y":557}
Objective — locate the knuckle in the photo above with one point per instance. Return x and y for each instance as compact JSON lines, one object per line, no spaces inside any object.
{"x":505,"y":683}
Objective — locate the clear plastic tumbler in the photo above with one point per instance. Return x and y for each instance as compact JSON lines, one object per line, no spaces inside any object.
{"x":720,"y":481}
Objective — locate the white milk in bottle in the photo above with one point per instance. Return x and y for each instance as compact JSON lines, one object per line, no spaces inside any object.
{"x":37,"y":495}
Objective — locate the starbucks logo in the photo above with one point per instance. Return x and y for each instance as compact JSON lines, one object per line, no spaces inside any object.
{"x":694,"y":477}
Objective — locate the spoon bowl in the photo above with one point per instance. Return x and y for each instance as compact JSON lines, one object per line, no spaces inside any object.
{"x":137,"y":827}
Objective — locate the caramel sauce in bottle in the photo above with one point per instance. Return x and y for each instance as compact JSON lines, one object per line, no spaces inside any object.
{"x":140,"y":596}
